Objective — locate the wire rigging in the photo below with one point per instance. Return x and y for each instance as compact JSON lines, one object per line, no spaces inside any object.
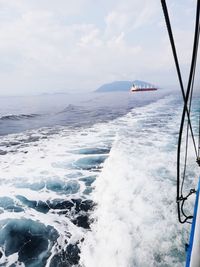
{"x":167,"y":20}
{"x":198,"y":157}
{"x":187,"y":131}
{"x":186,"y":110}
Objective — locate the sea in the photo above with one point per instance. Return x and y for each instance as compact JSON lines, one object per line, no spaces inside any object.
{"x":89,"y":180}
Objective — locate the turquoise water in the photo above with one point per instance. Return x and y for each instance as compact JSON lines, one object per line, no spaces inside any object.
{"x":97,"y":194}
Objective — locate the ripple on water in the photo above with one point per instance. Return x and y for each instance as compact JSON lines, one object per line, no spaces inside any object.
{"x":89,"y":163}
{"x":92,"y":151}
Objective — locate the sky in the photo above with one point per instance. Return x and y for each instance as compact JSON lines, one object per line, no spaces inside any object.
{"x":49,"y":46}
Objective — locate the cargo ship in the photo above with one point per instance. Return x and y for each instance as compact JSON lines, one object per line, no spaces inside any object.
{"x":139,"y":88}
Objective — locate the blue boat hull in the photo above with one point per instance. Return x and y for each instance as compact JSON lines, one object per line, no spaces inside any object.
{"x":193,"y":251}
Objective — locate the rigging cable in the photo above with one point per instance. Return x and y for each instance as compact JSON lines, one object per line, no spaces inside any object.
{"x":167,"y":20}
{"x":198,"y":156}
{"x":185,"y":98}
{"x":187,"y":132}
{"x":189,"y":92}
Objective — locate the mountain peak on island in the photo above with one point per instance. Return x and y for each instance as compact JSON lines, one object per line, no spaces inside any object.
{"x":118,"y":86}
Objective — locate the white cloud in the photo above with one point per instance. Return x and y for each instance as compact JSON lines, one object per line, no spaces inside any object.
{"x":63,"y":45}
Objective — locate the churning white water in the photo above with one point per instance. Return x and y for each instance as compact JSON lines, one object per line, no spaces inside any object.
{"x":96,"y":196}
{"x":135,"y":221}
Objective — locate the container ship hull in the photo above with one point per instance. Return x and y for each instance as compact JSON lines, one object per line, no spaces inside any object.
{"x":143,"y":90}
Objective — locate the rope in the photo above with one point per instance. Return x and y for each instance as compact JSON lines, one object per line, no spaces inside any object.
{"x":167,"y":20}
{"x":187,"y":132}
{"x":199,"y":140}
{"x":186,"y":97}
{"x":189,"y":93}
{"x":198,"y":156}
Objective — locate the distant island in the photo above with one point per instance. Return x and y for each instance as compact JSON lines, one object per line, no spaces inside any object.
{"x":120,"y":86}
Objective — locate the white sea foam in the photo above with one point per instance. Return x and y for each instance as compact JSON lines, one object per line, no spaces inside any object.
{"x":53,"y":161}
{"x":135,"y":220}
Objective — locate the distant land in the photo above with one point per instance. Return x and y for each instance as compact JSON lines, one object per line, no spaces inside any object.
{"x":120,"y":86}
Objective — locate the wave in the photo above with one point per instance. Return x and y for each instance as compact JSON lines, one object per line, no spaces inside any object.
{"x":96,"y":196}
{"x":52,"y":179}
{"x":72,"y":108}
{"x":16,"y":117}
{"x":135,"y":221}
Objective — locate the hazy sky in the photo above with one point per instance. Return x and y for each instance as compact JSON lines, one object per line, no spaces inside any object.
{"x":65,"y":45}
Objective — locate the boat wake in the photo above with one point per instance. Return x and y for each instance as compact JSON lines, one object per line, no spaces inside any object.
{"x":135,"y":220}
{"x":104,"y":200}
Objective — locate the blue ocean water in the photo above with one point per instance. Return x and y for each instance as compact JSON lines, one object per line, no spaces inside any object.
{"x":89,"y":180}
